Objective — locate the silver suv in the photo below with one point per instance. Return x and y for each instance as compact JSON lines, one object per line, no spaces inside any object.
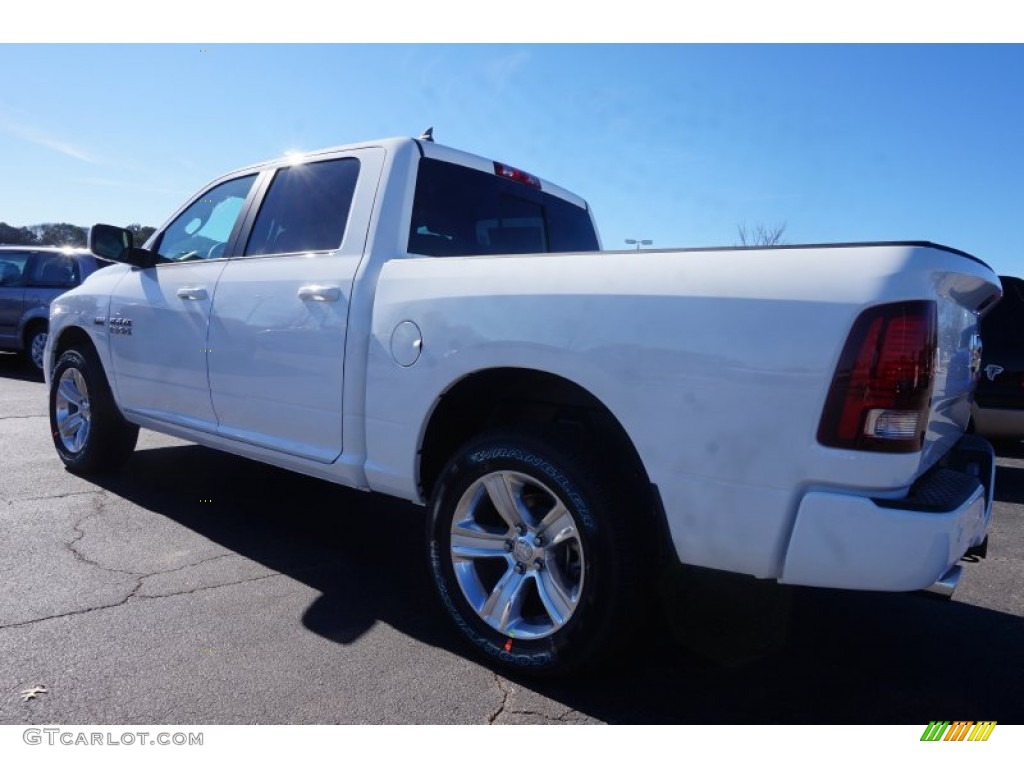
{"x":30,"y":278}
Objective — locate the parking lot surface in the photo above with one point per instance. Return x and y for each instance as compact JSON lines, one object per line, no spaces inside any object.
{"x":197,"y":587}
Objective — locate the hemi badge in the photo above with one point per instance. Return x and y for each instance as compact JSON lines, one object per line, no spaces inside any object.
{"x":99,"y":320}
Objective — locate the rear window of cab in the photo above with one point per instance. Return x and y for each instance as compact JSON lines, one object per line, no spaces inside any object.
{"x":459,"y":211}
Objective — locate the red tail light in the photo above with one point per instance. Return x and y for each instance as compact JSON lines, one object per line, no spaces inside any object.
{"x":881,"y":392}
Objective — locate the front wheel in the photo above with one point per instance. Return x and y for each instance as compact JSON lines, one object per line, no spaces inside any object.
{"x":89,"y":432}
{"x":534,"y":559}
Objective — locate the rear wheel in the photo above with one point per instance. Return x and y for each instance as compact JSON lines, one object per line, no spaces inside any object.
{"x":35,"y":346}
{"x":534,"y":559}
{"x":89,"y":432}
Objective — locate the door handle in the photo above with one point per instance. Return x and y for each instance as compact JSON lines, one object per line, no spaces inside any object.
{"x":992,"y":371}
{"x":191,"y":294}
{"x":319,"y":293}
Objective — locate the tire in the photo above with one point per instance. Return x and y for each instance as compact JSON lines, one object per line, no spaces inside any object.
{"x":532,"y":599}
{"x":35,"y":345}
{"x":89,"y":432}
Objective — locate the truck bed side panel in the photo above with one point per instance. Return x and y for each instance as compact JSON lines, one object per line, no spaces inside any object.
{"x":717,"y":365}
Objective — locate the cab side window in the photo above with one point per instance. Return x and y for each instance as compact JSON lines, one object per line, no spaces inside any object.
{"x":202,"y":231}
{"x":306,"y":208}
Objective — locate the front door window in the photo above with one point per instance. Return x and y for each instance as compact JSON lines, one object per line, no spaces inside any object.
{"x":202,"y":231}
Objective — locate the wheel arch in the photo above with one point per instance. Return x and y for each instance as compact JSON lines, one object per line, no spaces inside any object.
{"x":74,"y":336}
{"x":527,"y":398}
{"x":29,"y":320}
{"x":31,"y":324}
{"x":28,"y":328}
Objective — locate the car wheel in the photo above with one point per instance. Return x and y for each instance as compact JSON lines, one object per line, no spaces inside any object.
{"x":35,"y":346}
{"x":89,"y":432}
{"x":534,"y":559}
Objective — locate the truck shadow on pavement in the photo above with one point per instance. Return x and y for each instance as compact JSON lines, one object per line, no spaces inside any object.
{"x":731,"y":650}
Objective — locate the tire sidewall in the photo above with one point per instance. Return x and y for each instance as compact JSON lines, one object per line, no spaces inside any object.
{"x":573,"y":644}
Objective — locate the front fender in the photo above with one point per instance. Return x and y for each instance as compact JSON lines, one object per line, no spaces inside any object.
{"x":87,"y":308}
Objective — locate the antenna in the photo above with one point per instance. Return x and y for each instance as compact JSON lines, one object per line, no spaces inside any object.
{"x":428,"y":135}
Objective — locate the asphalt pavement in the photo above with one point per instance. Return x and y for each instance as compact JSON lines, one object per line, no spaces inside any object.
{"x":196,"y":587}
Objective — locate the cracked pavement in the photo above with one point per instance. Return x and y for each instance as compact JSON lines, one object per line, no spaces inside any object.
{"x":133,"y":615}
{"x":197,"y":587}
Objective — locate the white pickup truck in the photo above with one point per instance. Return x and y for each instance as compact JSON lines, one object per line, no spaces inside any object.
{"x":402,"y":317}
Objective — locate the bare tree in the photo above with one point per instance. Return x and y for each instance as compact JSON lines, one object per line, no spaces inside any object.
{"x":761,"y":234}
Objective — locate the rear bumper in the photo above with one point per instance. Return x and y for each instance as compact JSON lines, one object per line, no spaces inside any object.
{"x":855,"y":542}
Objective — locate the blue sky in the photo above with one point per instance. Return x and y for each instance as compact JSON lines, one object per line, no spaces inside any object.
{"x":677,"y":143}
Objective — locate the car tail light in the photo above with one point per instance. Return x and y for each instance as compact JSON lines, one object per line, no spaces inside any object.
{"x":508,"y":172}
{"x":881,"y":391}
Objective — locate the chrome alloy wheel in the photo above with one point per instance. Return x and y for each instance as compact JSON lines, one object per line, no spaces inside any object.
{"x":73,"y":416}
{"x":37,"y":348}
{"x":517,"y":555}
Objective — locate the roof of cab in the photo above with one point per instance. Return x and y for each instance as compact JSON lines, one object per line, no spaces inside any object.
{"x":426,"y":149}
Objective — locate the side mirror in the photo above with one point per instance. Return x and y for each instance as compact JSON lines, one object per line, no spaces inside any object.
{"x":116,"y":244}
{"x":109,"y":242}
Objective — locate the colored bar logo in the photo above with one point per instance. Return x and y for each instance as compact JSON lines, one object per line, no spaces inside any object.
{"x":960,"y":730}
